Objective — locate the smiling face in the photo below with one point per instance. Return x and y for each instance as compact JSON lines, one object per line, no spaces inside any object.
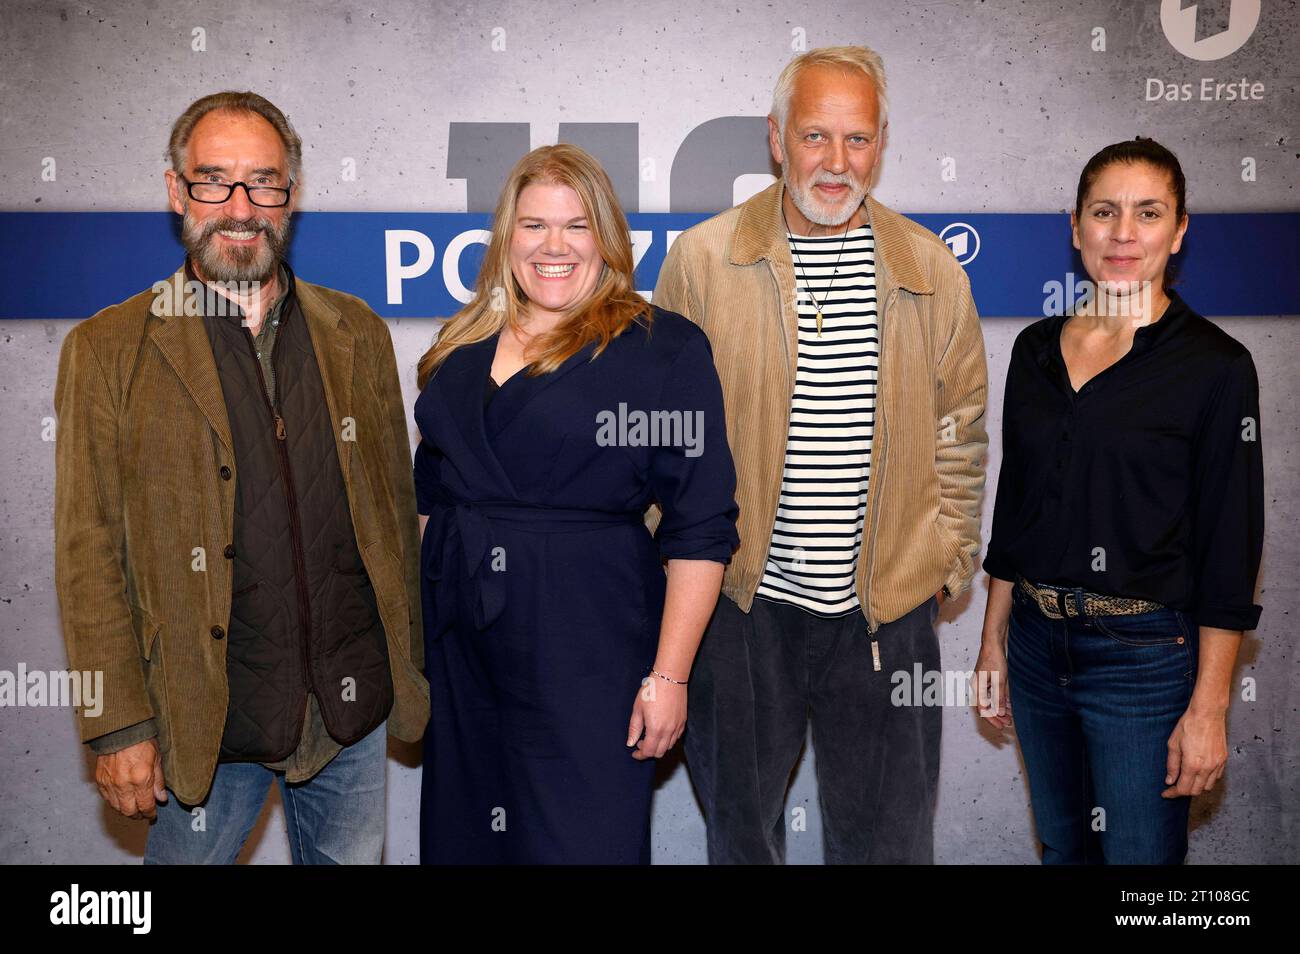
{"x":553,"y":252}
{"x":233,"y":241}
{"x":830,"y":145}
{"x":1128,"y":226}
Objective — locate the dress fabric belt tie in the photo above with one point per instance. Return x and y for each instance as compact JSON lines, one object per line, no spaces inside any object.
{"x":455,"y":552}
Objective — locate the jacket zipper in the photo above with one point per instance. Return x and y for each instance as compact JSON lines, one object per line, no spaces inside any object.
{"x":876,"y":487}
{"x":877,"y":469}
{"x":291,"y":501}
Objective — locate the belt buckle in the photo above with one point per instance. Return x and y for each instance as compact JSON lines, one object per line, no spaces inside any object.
{"x":1046,"y":602}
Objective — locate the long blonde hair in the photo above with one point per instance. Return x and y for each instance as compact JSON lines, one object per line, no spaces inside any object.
{"x":498,"y":298}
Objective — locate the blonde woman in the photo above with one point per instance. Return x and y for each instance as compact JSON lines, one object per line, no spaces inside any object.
{"x":554,"y":409}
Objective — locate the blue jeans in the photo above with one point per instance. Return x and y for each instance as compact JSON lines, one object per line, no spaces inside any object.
{"x":1095,"y":700}
{"x":335,"y":817}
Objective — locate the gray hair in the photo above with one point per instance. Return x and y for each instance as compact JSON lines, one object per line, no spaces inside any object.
{"x":849,"y":57}
{"x":247,"y":103}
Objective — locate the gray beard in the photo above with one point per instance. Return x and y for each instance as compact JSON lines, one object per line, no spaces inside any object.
{"x":257,"y":264}
{"x":812,"y":210}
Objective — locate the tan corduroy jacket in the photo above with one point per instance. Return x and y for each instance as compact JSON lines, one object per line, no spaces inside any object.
{"x":144,"y":502}
{"x":733,"y":276}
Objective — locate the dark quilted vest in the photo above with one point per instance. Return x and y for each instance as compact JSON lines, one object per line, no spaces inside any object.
{"x":303,"y":616}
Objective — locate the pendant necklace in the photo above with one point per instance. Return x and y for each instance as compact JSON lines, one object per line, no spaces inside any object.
{"x":834,"y":272}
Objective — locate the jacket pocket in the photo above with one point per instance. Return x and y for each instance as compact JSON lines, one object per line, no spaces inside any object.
{"x":146,"y":630}
{"x":954,"y":558}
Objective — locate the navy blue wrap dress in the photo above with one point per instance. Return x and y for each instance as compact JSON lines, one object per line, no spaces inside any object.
{"x":543,"y":590}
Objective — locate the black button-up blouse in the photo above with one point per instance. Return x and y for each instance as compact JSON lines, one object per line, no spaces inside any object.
{"x":1147,"y":482}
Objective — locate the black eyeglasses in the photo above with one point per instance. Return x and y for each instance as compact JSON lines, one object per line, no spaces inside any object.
{"x":217,"y":192}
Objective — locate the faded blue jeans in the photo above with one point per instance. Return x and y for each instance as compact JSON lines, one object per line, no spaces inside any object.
{"x":1094,"y":701}
{"x":335,"y":817}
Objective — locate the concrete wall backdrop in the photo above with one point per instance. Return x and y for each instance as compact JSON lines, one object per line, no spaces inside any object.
{"x":1016,"y":94}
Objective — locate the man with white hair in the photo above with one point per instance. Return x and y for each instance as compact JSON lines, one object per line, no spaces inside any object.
{"x":853,"y":369}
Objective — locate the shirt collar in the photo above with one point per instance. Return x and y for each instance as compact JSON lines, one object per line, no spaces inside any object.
{"x":1174,"y":317}
{"x":1145,"y":338}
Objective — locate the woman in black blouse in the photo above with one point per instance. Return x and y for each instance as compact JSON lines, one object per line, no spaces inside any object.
{"x":1126,"y":534}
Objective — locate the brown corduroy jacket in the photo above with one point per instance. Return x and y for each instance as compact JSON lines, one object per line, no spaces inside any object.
{"x":144,"y":508}
{"x":733,"y":276}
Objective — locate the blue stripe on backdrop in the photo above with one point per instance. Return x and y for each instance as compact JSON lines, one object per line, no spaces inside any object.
{"x":406,"y":264}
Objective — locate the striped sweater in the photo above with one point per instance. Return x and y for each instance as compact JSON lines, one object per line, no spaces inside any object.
{"x":819,"y":516}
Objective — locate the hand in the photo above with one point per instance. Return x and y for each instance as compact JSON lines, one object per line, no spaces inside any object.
{"x":132,"y":780}
{"x":1198,"y":752}
{"x":659,"y":709}
{"x":989,"y":682}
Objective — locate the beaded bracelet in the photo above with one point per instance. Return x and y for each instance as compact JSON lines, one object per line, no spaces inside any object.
{"x":675,"y":682}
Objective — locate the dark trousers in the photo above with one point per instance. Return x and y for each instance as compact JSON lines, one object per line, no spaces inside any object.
{"x":758,"y":679}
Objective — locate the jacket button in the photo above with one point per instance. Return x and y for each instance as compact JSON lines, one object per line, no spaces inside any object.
{"x":224,"y":472}
{"x":230,"y":551}
{"x":218,"y":632}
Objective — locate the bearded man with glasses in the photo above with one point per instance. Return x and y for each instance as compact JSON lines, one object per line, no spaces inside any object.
{"x":236,"y":544}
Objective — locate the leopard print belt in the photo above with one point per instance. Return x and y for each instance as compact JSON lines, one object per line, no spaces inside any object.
{"x":1058,"y":604}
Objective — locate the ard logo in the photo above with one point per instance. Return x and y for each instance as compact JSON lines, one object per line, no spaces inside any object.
{"x":1179,"y":20}
{"x":963,"y":240}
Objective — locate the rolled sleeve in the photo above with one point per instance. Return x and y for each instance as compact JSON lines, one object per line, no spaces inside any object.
{"x":1229,"y":505}
{"x":695,"y":483}
{"x":997,"y":567}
